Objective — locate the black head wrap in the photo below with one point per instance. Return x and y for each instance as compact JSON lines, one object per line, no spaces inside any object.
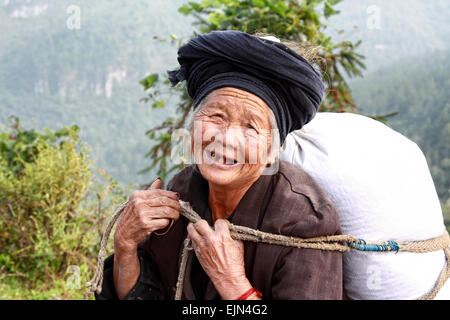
{"x":288,"y":83}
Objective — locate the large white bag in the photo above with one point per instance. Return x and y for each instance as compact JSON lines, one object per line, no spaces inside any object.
{"x":382,"y":188}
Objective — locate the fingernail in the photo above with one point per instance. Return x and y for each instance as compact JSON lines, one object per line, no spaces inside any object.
{"x":159,"y":178}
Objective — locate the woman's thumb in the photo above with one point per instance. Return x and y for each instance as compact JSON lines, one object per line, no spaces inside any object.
{"x":157,"y":184}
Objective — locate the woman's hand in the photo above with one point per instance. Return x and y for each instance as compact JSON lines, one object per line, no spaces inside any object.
{"x":221,"y":257}
{"x":147,"y":211}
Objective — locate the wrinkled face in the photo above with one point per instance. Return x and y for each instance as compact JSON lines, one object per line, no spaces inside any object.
{"x":232,"y":137}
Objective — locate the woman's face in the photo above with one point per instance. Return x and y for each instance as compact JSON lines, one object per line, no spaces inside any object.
{"x":232,"y":137}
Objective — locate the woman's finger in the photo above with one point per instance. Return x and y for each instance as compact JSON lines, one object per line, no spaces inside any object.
{"x":153,"y":193}
{"x":203,"y":228}
{"x":163,"y":201}
{"x":161,"y":193}
{"x":157,"y":184}
{"x":158,"y":224}
{"x":148,"y":214}
{"x":193,"y":234}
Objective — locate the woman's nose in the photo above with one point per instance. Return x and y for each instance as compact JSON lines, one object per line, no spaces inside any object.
{"x":232,"y":132}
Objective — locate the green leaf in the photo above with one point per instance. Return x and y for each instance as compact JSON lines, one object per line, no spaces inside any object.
{"x":211,"y":4}
{"x":328,"y":10}
{"x":149,"y":81}
{"x":197,"y":7}
{"x":259,"y":3}
{"x":334,"y":2}
{"x":184,"y":9}
{"x":315,"y":2}
{"x":75,"y":128}
{"x":158,"y":104}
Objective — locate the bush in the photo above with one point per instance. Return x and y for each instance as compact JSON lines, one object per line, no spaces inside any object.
{"x":51,"y":213}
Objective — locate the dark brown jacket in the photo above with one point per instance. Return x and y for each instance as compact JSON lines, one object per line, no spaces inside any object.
{"x":289,"y":202}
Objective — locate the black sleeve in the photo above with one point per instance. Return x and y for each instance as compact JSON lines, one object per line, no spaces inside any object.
{"x":147,"y":287}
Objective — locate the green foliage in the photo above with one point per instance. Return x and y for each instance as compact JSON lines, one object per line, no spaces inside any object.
{"x":51,"y":211}
{"x":19,"y":147}
{"x":162,"y":134}
{"x":299,"y":22}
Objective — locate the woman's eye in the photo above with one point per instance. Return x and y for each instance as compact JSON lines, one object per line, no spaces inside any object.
{"x":251,"y":127}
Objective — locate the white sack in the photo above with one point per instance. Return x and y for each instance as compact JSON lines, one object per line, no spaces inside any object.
{"x":382,"y":188}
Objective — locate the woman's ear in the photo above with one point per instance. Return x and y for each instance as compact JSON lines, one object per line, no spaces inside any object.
{"x":272,"y":163}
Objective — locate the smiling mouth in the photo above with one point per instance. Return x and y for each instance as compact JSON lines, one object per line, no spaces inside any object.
{"x":221,"y":160}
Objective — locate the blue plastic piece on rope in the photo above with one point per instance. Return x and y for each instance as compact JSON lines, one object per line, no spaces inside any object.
{"x":362,"y":245}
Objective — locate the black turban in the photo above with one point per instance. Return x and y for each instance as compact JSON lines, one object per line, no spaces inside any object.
{"x":288,"y":83}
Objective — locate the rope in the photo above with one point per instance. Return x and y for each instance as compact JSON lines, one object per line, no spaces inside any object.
{"x":341,"y":243}
{"x":96,"y":283}
{"x":443,"y":277}
{"x":184,"y":257}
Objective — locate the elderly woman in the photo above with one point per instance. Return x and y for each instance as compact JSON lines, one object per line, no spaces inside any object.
{"x":248,"y":94}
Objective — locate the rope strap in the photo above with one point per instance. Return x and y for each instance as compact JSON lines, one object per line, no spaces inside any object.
{"x":341,"y":243}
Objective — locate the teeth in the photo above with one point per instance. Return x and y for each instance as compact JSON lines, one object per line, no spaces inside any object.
{"x":221,"y":160}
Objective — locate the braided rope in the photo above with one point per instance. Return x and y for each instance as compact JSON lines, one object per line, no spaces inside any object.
{"x":341,"y":243}
{"x":443,"y":277}
{"x":96,"y":283}
{"x":184,"y":257}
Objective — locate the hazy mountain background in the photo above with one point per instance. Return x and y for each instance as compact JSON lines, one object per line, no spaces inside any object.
{"x":393,"y":30}
{"x":52,"y":76}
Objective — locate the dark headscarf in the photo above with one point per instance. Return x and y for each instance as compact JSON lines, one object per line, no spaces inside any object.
{"x":288,"y":83}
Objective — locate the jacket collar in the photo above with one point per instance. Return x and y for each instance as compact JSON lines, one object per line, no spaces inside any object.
{"x":248,"y":213}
